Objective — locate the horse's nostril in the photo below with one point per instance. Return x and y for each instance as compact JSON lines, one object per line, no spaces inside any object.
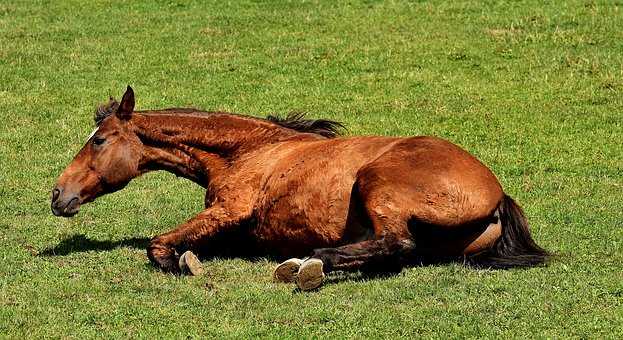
{"x":55,"y":194}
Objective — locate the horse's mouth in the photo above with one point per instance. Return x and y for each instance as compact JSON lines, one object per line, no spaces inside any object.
{"x":69,"y":210}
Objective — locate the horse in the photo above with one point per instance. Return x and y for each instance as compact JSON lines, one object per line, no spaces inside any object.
{"x":296,"y":188}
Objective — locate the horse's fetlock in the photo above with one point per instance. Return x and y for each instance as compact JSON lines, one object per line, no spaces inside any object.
{"x":163,"y":256}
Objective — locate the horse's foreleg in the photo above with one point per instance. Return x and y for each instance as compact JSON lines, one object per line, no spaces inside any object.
{"x":164,"y":250}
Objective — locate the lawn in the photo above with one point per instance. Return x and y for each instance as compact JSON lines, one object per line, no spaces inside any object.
{"x":534,"y":89}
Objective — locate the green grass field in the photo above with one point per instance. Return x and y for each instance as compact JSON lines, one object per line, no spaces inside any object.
{"x":535,"y":90}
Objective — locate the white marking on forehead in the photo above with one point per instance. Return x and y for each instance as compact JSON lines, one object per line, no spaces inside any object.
{"x":93,"y":133}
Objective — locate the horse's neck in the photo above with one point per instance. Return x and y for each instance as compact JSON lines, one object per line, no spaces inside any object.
{"x":200,"y":146}
{"x":190,"y":163}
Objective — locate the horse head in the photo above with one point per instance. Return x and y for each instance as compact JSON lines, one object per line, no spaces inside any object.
{"x":106,"y":163}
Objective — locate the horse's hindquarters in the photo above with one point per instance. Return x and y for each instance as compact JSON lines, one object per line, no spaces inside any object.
{"x":433,"y":181}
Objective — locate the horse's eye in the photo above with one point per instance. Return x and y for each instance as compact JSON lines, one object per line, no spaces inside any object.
{"x":98,"y":140}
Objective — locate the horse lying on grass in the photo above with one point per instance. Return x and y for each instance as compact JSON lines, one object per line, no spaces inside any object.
{"x":294,"y":189}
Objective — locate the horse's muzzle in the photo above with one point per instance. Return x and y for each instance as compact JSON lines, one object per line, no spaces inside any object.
{"x":64,"y":205}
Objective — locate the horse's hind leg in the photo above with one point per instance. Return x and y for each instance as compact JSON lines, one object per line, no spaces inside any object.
{"x":383,"y":255}
{"x":387,"y":215}
{"x":387,"y":252}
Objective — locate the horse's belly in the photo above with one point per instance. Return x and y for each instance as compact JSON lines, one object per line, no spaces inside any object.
{"x":305,"y":211}
{"x":296,"y":224}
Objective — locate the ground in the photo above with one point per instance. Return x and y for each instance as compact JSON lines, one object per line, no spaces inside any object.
{"x":533,"y":89}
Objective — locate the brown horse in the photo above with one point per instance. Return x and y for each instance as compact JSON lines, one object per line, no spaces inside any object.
{"x":352,"y":203}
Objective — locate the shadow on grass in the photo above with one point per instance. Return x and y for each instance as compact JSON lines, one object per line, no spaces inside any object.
{"x":387,"y":271}
{"x":220,"y":248}
{"x":80,"y":243}
{"x":339,"y":277}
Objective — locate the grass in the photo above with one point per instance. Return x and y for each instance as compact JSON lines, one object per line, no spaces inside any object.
{"x":533,"y":89}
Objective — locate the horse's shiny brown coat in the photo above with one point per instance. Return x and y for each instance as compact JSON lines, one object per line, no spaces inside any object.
{"x":293,"y":192}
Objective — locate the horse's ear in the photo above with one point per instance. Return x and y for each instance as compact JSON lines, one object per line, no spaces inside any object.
{"x":126,"y":107}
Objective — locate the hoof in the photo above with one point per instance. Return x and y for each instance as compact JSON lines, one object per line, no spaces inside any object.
{"x":310,"y":275}
{"x":190,"y":264}
{"x":286,"y":271}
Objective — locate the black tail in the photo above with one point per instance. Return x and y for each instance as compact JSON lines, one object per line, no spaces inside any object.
{"x":515,"y":247}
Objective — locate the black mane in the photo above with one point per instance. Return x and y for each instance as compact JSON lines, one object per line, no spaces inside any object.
{"x":296,"y":121}
{"x":106,"y":109}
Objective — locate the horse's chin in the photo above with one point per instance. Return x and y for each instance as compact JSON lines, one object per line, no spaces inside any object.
{"x":69,"y":213}
{"x":66,"y":213}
